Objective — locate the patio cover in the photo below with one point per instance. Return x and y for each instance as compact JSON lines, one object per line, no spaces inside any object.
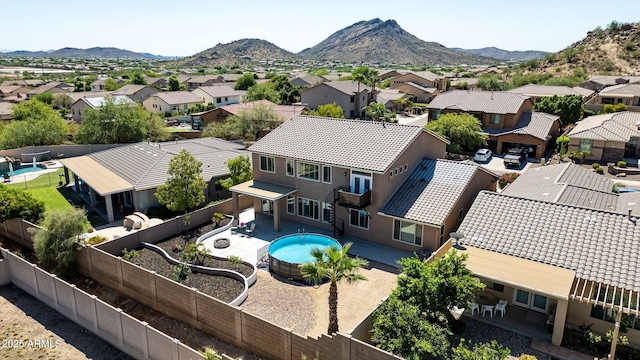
{"x":526,"y":274}
{"x":263,"y":190}
{"x":98,"y":177}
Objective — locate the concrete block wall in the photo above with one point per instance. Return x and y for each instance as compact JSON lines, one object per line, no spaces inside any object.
{"x":265,"y":338}
{"x":18,"y":230}
{"x":134,"y":337}
{"x":5,"y":275}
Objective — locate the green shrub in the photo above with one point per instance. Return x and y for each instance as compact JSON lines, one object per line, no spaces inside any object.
{"x":16,"y":203}
{"x":195,"y":253}
{"x":506,"y":179}
{"x":527,"y":357}
{"x":622,"y":164}
{"x":129,"y":255}
{"x":595,"y":165}
{"x":600,"y":170}
{"x":96,"y":240}
{"x":217,"y":218}
{"x":234,"y":259}
{"x":180,"y":272}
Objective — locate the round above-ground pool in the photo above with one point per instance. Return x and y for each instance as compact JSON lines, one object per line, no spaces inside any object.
{"x":288,"y":252}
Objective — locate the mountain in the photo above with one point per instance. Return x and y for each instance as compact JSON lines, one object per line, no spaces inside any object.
{"x":158,"y":57}
{"x":237,"y":52}
{"x":494,"y":52}
{"x":614,"y":50}
{"x":95,"y":52}
{"x":385,"y":42}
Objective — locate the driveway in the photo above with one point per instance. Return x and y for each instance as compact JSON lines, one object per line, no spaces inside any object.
{"x":496,"y":165}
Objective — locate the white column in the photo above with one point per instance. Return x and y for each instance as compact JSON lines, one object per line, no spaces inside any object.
{"x":109,"y":205}
{"x":558,"y":324}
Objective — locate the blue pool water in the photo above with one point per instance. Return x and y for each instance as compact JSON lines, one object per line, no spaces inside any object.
{"x":21,"y":170}
{"x":296,"y":248}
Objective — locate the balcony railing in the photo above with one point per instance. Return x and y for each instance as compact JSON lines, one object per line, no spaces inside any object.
{"x":357,"y":201}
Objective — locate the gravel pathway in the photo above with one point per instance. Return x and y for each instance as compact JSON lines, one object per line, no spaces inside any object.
{"x":281,"y":302}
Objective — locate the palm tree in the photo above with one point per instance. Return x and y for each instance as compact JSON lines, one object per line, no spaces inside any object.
{"x":372,"y":79}
{"x":359,"y":75}
{"x":333,"y":264}
{"x":378,"y":112}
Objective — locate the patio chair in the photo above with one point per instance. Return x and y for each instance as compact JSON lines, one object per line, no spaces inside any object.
{"x":234,"y":230}
{"x":251,"y":229}
{"x":502,"y":307}
{"x":6,"y":177}
{"x":475,"y":307}
{"x":487,"y":308}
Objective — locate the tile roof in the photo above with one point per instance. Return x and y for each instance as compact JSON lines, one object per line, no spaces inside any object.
{"x":6,"y":89}
{"x":600,"y":246}
{"x":429,"y":194}
{"x":347,"y":87}
{"x":386,"y":95}
{"x":204,"y":78}
{"x":6,"y":108}
{"x":129,"y":89}
{"x":145,"y":165}
{"x":285,"y":111}
{"x":310,"y":79}
{"x":547,"y":183}
{"x":490,"y":102}
{"x":75,"y":96}
{"x":48,"y":87}
{"x":622,"y":90}
{"x":536,"y":124}
{"x":224,"y":90}
{"x":359,"y":144}
{"x":543,"y":90}
{"x":417,"y":86}
{"x":428,"y":75}
{"x":621,"y":126}
{"x":178,"y":97}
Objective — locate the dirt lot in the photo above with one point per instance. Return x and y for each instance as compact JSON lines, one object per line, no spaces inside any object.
{"x":29,"y":329}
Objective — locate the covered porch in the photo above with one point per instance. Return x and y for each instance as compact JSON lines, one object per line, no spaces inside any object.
{"x":98,"y":185}
{"x":537,"y":294}
{"x":267,"y":192}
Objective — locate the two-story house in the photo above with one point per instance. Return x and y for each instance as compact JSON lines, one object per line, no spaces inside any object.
{"x":134,"y":92}
{"x":171,"y":102}
{"x":344,"y":93}
{"x":219,"y":95}
{"x":628,"y":94}
{"x":369,"y":180}
{"x":204,"y":80}
{"x":507,"y":118}
{"x":423,"y":85}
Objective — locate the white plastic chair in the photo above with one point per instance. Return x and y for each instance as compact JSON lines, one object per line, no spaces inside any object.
{"x":502,"y":307}
{"x":251,"y":229}
{"x":488,"y":308}
{"x":475,"y":307}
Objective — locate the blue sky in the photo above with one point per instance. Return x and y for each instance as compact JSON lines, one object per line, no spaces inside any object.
{"x":186,"y":27}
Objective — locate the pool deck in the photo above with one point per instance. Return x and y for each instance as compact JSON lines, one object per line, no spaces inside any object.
{"x":34,"y":174}
{"x":254,"y":248}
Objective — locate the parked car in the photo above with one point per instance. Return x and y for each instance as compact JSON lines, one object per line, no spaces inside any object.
{"x":482,"y":155}
{"x":515,"y":157}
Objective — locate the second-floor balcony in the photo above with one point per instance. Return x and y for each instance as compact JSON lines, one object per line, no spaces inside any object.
{"x":352,"y":200}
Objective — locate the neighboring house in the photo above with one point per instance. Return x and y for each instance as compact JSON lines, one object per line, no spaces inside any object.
{"x":426,"y":79}
{"x":171,"y":102}
{"x":30,"y":82}
{"x":222,"y":113}
{"x":538,"y":92}
{"x":608,"y":137}
{"x":129,"y":175}
{"x":137,"y":93}
{"x":552,"y":244}
{"x":53,"y":87}
{"x":13,"y":91}
{"x":160,"y":82}
{"x":306,"y":81}
{"x":391,"y":73}
{"x":457,"y":83}
{"x":344,"y":93}
{"x":205,"y":80}
{"x":628,"y":94}
{"x":219,"y":95}
{"x":599,"y":82}
{"x":79,"y":107}
{"x":98,"y":85}
{"x":373,"y":181}
{"x":419,"y":93}
{"x":6,"y":110}
{"x":390,"y":98}
{"x":507,"y":119}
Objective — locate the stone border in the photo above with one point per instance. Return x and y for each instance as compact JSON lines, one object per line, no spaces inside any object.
{"x":209,"y":271}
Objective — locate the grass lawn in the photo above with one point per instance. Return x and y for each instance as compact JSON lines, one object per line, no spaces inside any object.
{"x":45,"y":188}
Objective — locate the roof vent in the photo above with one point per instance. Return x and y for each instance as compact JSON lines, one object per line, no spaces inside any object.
{"x":629,"y":216}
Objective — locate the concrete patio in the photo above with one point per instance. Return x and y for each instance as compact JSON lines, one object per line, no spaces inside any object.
{"x":253,"y":248}
{"x":518,"y":320}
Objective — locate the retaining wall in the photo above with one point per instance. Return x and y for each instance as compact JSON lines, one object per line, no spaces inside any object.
{"x":132,"y":336}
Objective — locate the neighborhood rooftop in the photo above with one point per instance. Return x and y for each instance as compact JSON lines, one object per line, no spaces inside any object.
{"x":178,"y":97}
{"x":622,"y":90}
{"x":490,"y":102}
{"x":600,"y":246}
{"x":221,"y":90}
{"x":357,"y":144}
{"x":621,"y":126}
{"x":431,"y":191}
{"x":347,"y":87}
{"x":544,"y":90}
{"x":536,"y":124}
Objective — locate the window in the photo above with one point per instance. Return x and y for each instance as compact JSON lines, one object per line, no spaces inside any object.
{"x":308,"y":171}
{"x":585,"y":145}
{"x":353,"y":99}
{"x":327,"y":212}
{"x":492,"y":285}
{"x":359,"y":219}
{"x":326,"y":174}
{"x":218,"y":100}
{"x":308,"y":208}
{"x":609,"y":315}
{"x":408,"y":232}
{"x":391,"y":173}
{"x":400,"y":169}
{"x":226,"y":99}
{"x":267,"y":164}
{"x":291,"y":204}
{"x":405,"y":167}
{"x":441,"y":235}
{"x":494,"y":119}
{"x":290,"y":167}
